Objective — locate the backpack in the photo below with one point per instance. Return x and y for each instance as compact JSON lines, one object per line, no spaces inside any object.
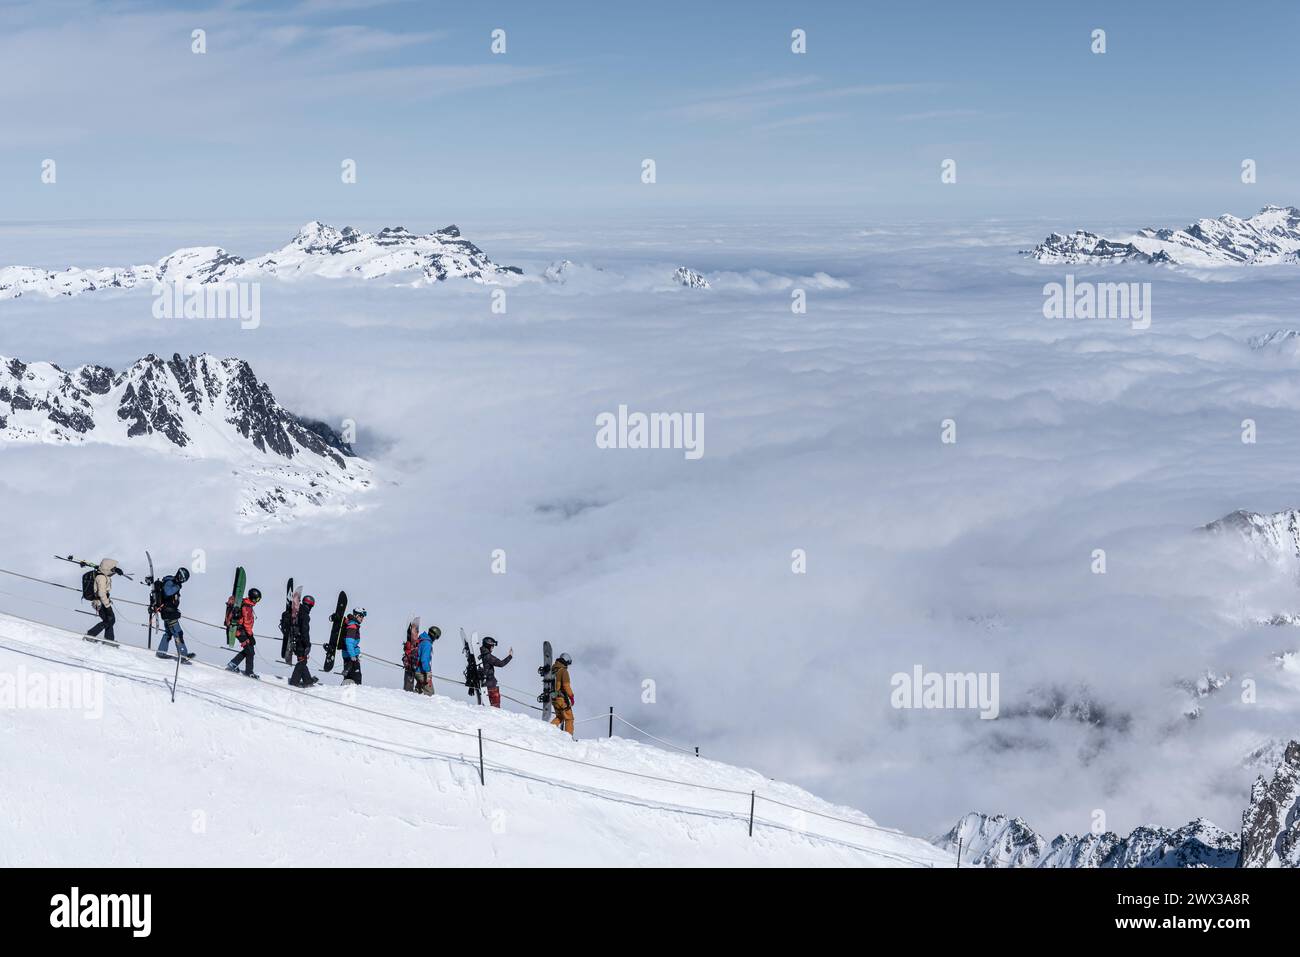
{"x":411,"y":655}
{"x":88,"y":585}
{"x":158,"y":601}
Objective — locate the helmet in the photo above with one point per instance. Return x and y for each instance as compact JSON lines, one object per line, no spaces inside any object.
{"x":434,"y":632}
{"x":489,"y":642}
{"x":566,"y":658}
{"x":182,"y":574}
{"x":358,"y":613}
{"x":308,"y":600}
{"x":254,"y":595}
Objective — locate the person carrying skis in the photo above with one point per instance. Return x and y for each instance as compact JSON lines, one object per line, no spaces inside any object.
{"x":488,"y":669}
{"x":301,"y":677}
{"x":103,"y":600}
{"x":423,"y":677}
{"x":562,"y":698}
{"x":165,"y":602}
{"x":244,"y":633}
{"x":352,"y":645}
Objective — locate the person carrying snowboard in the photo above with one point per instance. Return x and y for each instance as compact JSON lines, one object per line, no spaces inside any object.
{"x":410,"y":660}
{"x":562,"y":698}
{"x":352,"y":645}
{"x":424,"y":660}
{"x":103,"y":600}
{"x":244,"y":632}
{"x":489,"y":663}
{"x":301,"y":677}
{"x":165,"y":602}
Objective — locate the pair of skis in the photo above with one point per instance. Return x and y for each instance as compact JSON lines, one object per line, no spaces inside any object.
{"x":473,"y":672}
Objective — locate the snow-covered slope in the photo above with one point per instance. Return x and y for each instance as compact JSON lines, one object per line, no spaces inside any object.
{"x":248,"y":773}
{"x":198,"y":407}
{"x":995,"y":841}
{"x":317,"y":250}
{"x":1270,"y":236}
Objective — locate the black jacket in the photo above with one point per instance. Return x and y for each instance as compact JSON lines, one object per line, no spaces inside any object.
{"x":490,"y":665}
{"x":302,"y":640}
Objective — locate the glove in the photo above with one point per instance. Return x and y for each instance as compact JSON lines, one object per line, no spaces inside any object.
{"x":244,"y":643}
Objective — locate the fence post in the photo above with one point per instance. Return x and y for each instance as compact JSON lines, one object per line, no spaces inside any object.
{"x":611,"y":721}
{"x":697,"y":750}
{"x":959,"y":853}
{"x":751,"y":813}
{"x":480,"y":757}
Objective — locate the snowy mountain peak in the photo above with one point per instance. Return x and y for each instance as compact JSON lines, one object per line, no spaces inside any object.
{"x":996,"y":841}
{"x":1270,"y":836}
{"x":317,"y":249}
{"x":1273,"y":536}
{"x":198,"y":407}
{"x":993,"y":841}
{"x":690,"y":278}
{"x":1270,"y":826}
{"x":1270,"y":236}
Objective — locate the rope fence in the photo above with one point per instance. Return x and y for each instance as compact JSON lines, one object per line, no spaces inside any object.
{"x":480,"y":766}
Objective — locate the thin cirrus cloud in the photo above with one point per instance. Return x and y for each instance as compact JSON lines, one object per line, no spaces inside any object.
{"x":764,"y":99}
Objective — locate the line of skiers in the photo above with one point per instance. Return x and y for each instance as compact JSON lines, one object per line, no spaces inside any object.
{"x":417,"y":653}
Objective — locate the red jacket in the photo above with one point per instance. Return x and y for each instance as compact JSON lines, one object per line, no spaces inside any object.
{"x":245,"y":623}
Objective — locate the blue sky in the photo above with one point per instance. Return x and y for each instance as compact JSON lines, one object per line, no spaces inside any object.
{"x":440,"y":128}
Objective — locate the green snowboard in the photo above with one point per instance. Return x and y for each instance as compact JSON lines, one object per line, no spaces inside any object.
{"x":232,"y":605}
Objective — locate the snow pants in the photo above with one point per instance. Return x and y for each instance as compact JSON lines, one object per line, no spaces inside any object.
{"x":301,"y":677}
{"x":563,"y":717}
{"x":107,"y":618}
{"x":172,"y":629}
{"x":423,"y":683}
{"x":246,"y":652}
{"x":352,"y":669}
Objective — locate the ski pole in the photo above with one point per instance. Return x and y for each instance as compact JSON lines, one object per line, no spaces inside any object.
{"x":481,"y":780}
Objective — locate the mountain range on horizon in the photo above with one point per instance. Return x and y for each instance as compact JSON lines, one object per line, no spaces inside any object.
{"x":1270,"y":236}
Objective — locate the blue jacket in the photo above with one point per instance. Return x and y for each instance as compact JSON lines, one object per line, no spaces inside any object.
{"x":426,"y":652}
{"x":352,"y":638}
{"x":170,"y":609}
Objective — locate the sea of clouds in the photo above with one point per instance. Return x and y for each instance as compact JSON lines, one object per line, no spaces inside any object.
{"x":822,"y":434}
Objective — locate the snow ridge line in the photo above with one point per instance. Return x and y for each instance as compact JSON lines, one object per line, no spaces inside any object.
{"x":422,"y":753}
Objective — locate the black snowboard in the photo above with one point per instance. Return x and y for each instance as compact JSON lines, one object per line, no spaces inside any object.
{"x":286,"y":625}
{"x":336,"y":630}
{"x":548,"y":681}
